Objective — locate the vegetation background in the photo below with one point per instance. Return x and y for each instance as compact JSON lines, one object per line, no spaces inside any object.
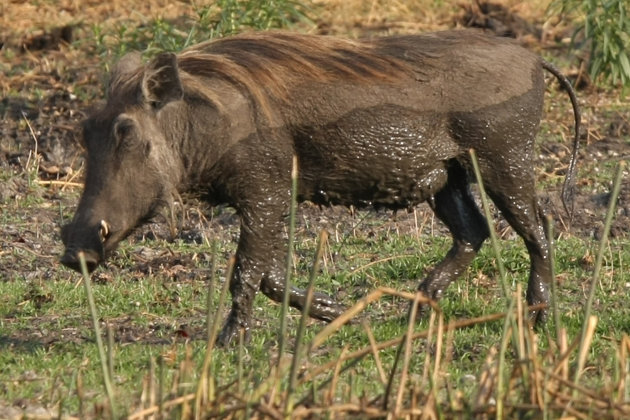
{"x":472,"y":357}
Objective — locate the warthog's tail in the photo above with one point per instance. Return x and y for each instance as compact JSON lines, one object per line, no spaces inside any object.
{"x":568,"y":189}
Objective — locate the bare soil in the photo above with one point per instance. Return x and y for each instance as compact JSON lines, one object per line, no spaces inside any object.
{"x":51,"y":75}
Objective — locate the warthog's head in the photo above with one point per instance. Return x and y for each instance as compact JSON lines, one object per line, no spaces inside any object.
{"x":131,"y":168}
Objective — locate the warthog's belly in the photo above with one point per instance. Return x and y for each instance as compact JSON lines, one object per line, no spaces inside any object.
{"x":386,"y":156}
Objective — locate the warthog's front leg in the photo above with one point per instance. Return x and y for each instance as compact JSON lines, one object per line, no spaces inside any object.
{"x":261,"y":264}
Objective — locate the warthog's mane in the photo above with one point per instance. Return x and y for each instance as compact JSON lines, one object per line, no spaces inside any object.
{"x":266,"y":66}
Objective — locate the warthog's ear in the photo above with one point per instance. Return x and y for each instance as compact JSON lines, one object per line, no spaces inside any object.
{"x":161,"y":83}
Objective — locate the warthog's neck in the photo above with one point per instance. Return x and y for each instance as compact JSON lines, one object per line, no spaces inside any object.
{"x":211,"y":131}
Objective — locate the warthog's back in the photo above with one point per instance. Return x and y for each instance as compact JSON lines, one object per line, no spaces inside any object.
{"x":442,"y":72}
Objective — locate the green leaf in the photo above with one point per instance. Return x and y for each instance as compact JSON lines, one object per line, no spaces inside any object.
{"x":625,"y":63}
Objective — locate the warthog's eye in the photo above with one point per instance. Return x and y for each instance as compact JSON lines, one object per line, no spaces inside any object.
{"x":104,"y":231}
{"x":123,"y":128}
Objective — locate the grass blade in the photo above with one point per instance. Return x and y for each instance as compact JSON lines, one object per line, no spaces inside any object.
{"x":319,"y":251}
{"x":97,"y":331}
{"x":493,"y":236}
{"x":211,"y":283}
{"x":407,"y":354}
{"x":598,"y":264}
{"x":552,"y":265}
{"x":497,"y":252}
{"x":206,"y":377}
{"x":287,"y":281}
{"x":501,"y":391}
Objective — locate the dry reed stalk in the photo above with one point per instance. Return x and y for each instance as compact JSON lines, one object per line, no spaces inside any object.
{"x":353,"y":311}
{"x":320,"y":412}
{"x":436,"y":410}
{"x":148,"y":395}
{"x":392,"y":375}
{"x":64,"y":184}
{"x":396,"y":341}
{"x":624,"y":368}
{"x":427,"y":412}
{"x":377,"y":359}
{"x":284,"y":308}
{"x":335,"y":378}
{"x":427,"y":355}
{"x":487,"y":380}
{"x":269,"y":412}
{"x":537,"y":372}
{"x":585,"y":345}
{"x":448,"y":357}
{"x":155,"y":409}
{"x":186,"y":367}
{"x":564,"y":362}
{"x":585,"y":392}
{"x":80,"y":393}
{"x":438,"y":349}
{"x":505,"y":338}
{"x":520,"y":323}
{"x":144,"y":394}
{"x":407,"y":353}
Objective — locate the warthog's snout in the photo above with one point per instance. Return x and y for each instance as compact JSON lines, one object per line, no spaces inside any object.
{"x":87,"y":240}
{"x":71,"y":259}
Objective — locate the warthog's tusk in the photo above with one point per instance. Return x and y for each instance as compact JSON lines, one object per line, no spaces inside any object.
{"x":104,"y":231}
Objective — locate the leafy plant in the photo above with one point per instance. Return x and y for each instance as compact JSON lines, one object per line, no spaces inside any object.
{"x":226,"y":17}
{"x":213,"y":20}
{"x":605,"y":25}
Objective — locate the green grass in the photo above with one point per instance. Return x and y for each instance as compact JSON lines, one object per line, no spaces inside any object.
{"x":39,"y":368}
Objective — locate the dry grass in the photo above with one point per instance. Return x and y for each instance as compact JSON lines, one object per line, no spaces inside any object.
{"x":381,"y":17}
{"x":531,"y":384}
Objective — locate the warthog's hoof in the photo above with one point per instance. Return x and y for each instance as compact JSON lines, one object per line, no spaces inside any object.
{"x":538,"y":318}
{"x":232,"y":330}
{"x":325,"y":308}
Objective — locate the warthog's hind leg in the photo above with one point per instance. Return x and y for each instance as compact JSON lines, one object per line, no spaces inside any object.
{"x":455,"y":206}
{"x":525,"y":216}
{"x":323,"y":307}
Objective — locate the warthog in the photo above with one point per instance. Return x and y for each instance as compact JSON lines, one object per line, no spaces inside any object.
{"x":386,"y":123}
